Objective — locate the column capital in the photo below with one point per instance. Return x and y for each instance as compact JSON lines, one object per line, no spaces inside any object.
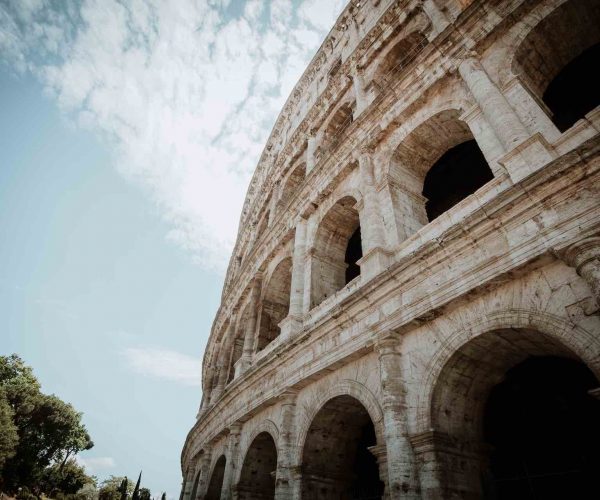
{"x":389,"y":344}
{"x":288,"y":396}
{"x":580,"y":253}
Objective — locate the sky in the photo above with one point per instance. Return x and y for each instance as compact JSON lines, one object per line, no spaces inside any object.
{"x":129,"y":131}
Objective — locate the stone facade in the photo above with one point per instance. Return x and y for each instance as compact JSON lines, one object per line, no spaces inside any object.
{"x":421,"y":237}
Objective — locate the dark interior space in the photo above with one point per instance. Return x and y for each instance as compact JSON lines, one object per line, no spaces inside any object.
{"x":575,"y":91}
{"x":544,"y":430}
{"x":459,"y":172}
{"x":216,"y":480}
{"x":353,"y":254}
{"x":366,"y":484}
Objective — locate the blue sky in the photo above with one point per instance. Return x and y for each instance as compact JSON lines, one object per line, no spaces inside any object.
{"x":128,"y":134}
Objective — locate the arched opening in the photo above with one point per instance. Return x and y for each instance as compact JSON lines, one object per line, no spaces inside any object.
{"x":513,"y":419}
{"x":275,"y":303}
{"x":216,"y":480}
{"x":334,"y":130}
{"x":337,"y":249}
{"x":195,"y":487}
{"x":459,"y":172}
{"x":336,"y":459}
{"x":399,"y":57}
{"x":237,"y":345}
{"x":292,"y":184}
{"x":436,"y":166}
{"x":558,"y":61}
{"x":257,"y":479}
{"x":543,"y":428}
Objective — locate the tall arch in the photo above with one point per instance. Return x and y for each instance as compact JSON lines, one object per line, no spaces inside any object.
{"x":557,"y":61}
{"x":334,"y":130}
{"x":257,"y":475}
{"x":337,"y":459}
{"x":467,"y":420}
{"x":275,"y":303}
{"x":438,"y":164}
{"x":215,"y":484}
{"x":337,"y":249}
{"x":292,"y":184}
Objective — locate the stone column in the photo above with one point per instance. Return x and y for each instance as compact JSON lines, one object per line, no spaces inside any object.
{"x":204,"y":476}
{"x":525,"y":154}
{"x":375,"y":256}
{"x":584,"y":256}
{"x":287,"y":484}
{"x":362,"y":101}
{"x":188,"y":484}
{"x":225,"y":356}
{"x":438,"y":19}
{"x":311,"y":148}
{"x":379,"y":451}
{"x":448,"y":467}
{"x":231,"y":456}
{"x":402,"y":476}
{"x":250,"y":333}
{"x":293,"y":323}
{"x":493,"y":104}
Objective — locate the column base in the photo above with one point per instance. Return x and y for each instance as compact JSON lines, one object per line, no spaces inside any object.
{"x":527,"y":157}
{"x":374,"y":262}
{"x":290,"y":326}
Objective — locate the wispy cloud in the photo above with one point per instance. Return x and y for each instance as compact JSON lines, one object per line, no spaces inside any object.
{"x":185,"y":92}
{"x":96,"y":464}
{"x":164,"y":364}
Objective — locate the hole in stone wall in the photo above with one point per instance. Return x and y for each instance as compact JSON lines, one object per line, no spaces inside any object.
{"x":458,"y":173}
{"x":336,"y":460}
{"x":353,"y":254}
{"x":575,"y":91}
{"x":216,"y":480}
{"x":336,"y":250}
{"x":543,"y":428}
{"x":257,"y":479}
{"x":558,"y":61}
{"x":275,"y":303}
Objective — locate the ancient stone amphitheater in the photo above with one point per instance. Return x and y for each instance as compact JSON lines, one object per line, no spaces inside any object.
{"x":411,"y":308}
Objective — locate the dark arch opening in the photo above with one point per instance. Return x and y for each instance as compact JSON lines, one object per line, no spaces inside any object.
{"x":574,"y":92}
{"x":459,"y":172}
{"x":337,"y":249}
{"x":353,"y":254}
{"x":257,"y":479}
{"x":336,"y":460}
{"x":275,"y":303}
{"x":216,"y":480}
{"x":544,"y":430}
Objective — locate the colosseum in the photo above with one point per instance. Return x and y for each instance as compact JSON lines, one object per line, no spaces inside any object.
{"x":411,"y":309}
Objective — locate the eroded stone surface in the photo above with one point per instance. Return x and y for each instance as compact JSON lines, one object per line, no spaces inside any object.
{"x":321,"y":384}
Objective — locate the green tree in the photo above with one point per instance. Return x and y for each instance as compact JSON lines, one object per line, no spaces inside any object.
{"x":9,"y":437}
{"x":110,"y":489}
{"x":65,"y":477}
{"x":50,"y":430}
{"x":145,"y":494}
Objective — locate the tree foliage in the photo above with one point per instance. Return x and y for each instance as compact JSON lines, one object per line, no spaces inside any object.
{"x":49,"y":430}
{"x":110,"y":489}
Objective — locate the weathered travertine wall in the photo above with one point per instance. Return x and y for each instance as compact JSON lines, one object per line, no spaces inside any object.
{"x":423,"y":219}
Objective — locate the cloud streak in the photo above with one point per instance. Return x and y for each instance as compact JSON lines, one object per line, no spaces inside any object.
{"x":164,"y":364}
{"x":95,"y":464}
{"x":184,"y":92}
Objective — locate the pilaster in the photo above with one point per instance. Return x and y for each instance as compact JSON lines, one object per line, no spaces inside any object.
{"x":287,"y":483}
{"x":402,"y":474}
{"x":584,"y":256}
{"x":233,"y":441}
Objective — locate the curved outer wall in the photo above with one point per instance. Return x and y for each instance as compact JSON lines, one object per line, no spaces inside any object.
{"x":511,"y":268}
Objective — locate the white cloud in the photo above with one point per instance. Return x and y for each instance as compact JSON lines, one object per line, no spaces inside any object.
{"x":185,"y":95}
{"x":95,"y":464}
{"x":164,"y":364}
